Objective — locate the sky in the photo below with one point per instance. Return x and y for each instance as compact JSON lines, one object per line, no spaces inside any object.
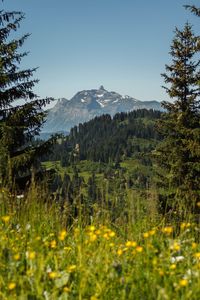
{"x":82,"y":44}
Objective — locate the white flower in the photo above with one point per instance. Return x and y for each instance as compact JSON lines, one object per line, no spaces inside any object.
{"x":176,"y":258}
{"x":20,"y":196}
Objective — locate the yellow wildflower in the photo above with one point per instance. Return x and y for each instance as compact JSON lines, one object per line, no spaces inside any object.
{"x":71,"y":268}
{"x":106,"y":236}
{"x":31,"y":254}
{"x":168,"y":230}
{"x":139,"y":249}
{"x":53,"y":275}
{"x":119,"y":252}
{"x":152,"y":232}
{"x":16,"y":256}
{"x":53,"y":244}
{"x":111,"y":233}
{"x":194,"y":245}
{"x":185,"y":225}
{"x":93,"y":237}
{"x":198,"y":204}
{"x":183,"y":282}
{"x":175,"y":246}
{"x":128,"y":244}
{"x":98,"y":232}
{"x":11,"y":286}
{"x":66,"y":289}
{"x":5,"y":219}
{"x":173,"y":267}
{"x":131,"y":244}
{"x":197,"y":255}
{"x":146,"y":235}
{"x":62,"y":235}
{"x":91,"y":228}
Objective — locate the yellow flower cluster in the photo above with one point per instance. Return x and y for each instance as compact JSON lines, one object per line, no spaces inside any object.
{"x":53,"y":244}
{"x":129,"y":245}
{"x":167,"y":230}
{"x":149,"y":233}
{"x":185,"y":225}
{"x":103,"y":232}
{"x":31,"y":254}
{"x":175,"y":246}
{"x":69,"y":255}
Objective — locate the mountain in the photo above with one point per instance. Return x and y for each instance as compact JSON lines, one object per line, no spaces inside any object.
{"x":87,"y":104}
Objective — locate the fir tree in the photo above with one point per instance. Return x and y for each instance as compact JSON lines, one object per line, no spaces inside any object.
{"x":179,"y":153}
{"x":193,"y":9}
{"x":19,"y":124}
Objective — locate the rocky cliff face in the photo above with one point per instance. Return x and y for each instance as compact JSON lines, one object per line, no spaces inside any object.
{"x":87,"y":104}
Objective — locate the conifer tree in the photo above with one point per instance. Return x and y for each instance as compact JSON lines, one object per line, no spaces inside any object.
{"x":19,"y":123}
{"x":179,"y":153}
{"x":193,"y":9}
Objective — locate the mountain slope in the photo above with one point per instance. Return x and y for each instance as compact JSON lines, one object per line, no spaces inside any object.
{"x":87,"y":104}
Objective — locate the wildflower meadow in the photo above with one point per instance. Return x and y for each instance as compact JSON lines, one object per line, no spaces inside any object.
{"x":43,"y":258}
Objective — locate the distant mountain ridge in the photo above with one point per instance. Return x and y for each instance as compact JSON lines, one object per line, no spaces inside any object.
{"x":87,"y":104}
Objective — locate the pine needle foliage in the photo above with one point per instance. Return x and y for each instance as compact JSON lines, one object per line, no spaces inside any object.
{"x":179,"y":153}
{"x":19,"y":123}
{"x":193,"y":9}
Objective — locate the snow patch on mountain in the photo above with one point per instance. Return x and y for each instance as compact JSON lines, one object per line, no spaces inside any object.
{"x":87,"y":104}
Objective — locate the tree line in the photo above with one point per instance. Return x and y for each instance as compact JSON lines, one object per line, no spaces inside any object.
{"x":107,"y":139}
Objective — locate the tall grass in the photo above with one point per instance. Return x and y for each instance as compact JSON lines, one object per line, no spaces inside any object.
{"x":136,"y":254}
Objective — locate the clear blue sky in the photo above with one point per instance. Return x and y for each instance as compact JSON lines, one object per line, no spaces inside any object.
{"x":81,"y":44}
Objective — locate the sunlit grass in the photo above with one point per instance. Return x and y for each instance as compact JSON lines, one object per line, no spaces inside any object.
{"x":42,"y":258}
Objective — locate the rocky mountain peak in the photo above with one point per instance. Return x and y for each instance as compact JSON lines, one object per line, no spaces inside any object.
{"x":87,"y":104}
{"x":101,"y":88}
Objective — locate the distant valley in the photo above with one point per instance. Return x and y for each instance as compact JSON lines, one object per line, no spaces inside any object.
{"x":87,"y":104}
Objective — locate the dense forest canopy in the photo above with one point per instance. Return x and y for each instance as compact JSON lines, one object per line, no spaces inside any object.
{"x":109,"y":139}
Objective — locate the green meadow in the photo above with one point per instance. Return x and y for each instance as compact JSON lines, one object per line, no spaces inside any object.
{"x":146,"y":257}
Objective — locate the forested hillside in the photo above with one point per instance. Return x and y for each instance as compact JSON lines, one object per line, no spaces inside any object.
{"x":107,"y":139}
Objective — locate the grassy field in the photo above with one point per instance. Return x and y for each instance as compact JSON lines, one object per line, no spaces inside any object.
{"x":41,"y":257}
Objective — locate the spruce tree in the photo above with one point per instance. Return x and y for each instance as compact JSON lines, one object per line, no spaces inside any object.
{"x":179,"y":153}
{"x":193,"y":9}
{"x":19,"y":123}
